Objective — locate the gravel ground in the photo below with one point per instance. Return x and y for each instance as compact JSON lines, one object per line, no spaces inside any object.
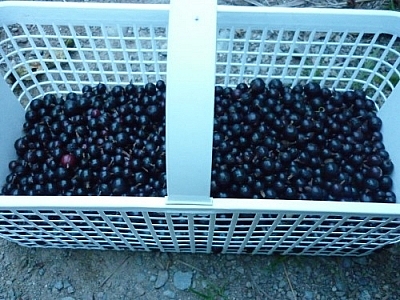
{"x":28,"y":273}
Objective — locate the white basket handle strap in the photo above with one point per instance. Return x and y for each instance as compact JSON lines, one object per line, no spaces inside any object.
{"x":190,"y":100}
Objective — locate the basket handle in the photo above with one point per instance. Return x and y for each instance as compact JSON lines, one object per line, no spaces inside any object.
{"x":190,"y":100}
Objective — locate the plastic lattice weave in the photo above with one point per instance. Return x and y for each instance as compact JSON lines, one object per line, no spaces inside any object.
{"x":237,"y":233}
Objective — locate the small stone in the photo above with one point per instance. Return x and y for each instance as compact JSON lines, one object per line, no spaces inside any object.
{"x":364,"y":295}
{"x":70,"y":290}
{"x":308,"y":295}
{"x":291,"y":295}
{"x":248,"y":284}
{"x":309,"y":270}
{"x":153,"y":278}
{"x":204,"y":284}
{"x":101,"y":296}
{"x":162,"y":278}
{"x":26,"y":276}
{"x":282,"y":283}
{"x":240,"y":270}
{"x":394,"y":249}
{"x":334,"y":289}
{"x":346,"y":262}
{"x":363,"y":281}
{"x":11,"y":294}
{"x":229,"y":264}
{"x":8,"y":282}
{"x":41,"y":272}
{"x":230,"y":257}
{"x":169,"y":294}
{"x":67,"y":298}
{"x":140,"y":291}
{"x":183,"y":280}
{"x":22,"y":40}
{"x":361,"y":260}
{"x":58,"y":285}
{"x":340,"y":285}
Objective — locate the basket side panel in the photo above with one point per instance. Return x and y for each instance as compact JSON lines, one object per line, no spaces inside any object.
{"x":179,"y":231}
{"x":353,"y":58}
{"x":39,"y":58}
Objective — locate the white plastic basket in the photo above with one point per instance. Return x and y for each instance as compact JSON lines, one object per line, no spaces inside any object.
{"x":191,"y":47}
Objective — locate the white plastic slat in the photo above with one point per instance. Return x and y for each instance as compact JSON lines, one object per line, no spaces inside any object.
{"x":310,"y":18}
{"x":134,"y":232}
{"x":90,"y":13}
{"x":10,"y":126}
{"x":190,"y":101}
{"x":391,"y":132}
{"x":249,"y":233}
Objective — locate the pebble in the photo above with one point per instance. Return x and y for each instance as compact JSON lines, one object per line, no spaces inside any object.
{"x":230,"y":257}
{"x":247,"y":258}
{"x":169,"y":294}
{"x":11,"y":294}
{"x":361,"y":260}
{"x":363,"y":281}
{"x":58,"y":285}
{"x":240,"y":270}
{"x":308,"y":295}
{"x":183,"y":280}
{"x":41,"y":272}
{"x":340,"y":285}
{"x":364,"y":295}
{"x":22,"y":40}
{"x":162,"y":278}
{"x":67,"y":298}
{"x":101,"y":296}
{"x":282,"y":283}
{"x":153,"y":278}
{"x":70,"y":290}
{"x":346,"y":262}
{"x":140,"y":291}
{"x":291,"y":295}
{"x":213,"y":277}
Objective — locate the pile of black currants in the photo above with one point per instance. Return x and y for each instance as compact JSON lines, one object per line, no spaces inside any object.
{"x":304,"y":142}
{"x":98,"y":142}
{"x":270,"y":141}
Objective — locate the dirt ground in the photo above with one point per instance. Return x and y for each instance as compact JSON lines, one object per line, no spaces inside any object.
{"x":81,"y":274}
